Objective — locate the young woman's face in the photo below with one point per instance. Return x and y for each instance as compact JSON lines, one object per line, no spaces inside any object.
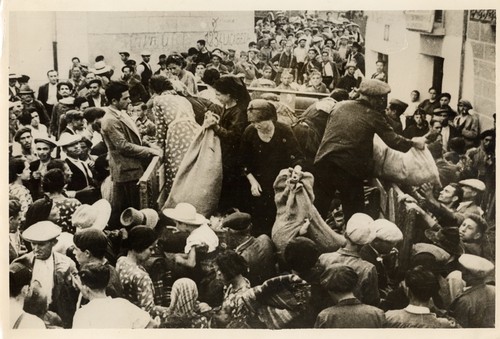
{"x":316,"y":79}
{"x":175,"y":69}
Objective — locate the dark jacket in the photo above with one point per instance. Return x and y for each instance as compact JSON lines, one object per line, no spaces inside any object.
{"x":257,"y":251}
{"x":104,"y":101}
{"x":79,"y":179}
{"x":351,"y":313}
{"x":348,"y":138}
{"x":475,"y":307}
{"x":43,"y":96}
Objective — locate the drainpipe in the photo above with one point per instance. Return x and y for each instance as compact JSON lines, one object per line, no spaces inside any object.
{"x":54,"y":44}
{"x":462,"y":54}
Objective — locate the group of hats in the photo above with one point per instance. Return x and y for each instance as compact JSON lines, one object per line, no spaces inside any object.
{"x":361,"y":229}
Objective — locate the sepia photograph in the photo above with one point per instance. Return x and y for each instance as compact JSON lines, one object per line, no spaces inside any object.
{"x":222,"y":168}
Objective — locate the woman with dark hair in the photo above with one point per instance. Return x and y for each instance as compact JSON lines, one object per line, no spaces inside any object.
{"x":137,"y":284}
{"x":16,"y":244}
{"x":19,"y":170}
{"x":176,"y":126}
{"x":176,"y":65}
{"x":62,"y":210}
{"x":229,"y":127}
{"x":210,"y":76}
{"x":231,"y":269}
{"x":267,"y":147}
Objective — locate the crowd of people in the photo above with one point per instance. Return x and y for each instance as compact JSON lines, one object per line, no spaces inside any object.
{"x":83,"y":254}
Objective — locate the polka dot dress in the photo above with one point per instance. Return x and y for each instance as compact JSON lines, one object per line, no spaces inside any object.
{"x":176,"y":129}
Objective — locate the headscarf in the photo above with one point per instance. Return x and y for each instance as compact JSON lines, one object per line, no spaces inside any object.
{"x":184,"y":297}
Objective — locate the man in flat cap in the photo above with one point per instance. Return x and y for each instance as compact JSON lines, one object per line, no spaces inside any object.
{"x":61,"y":107}
{"x":258,"y":252}
{"x":24,"y":139}
{"x":124,"y":56}
{"x":473,"y":190}
{"x":144,"y":69}
{"x":82,"y":175}
{"x":467,"y":123}
{"x":348,"y":312}
{"x":38,"y":167}
{"x":475,"y":306}
{"x":357,"y":57}
{"x":345,"y":155}
{"x":393,"y":112}
{"x":380,"y":252}
{"x":28,"y":99}
{"x":54,"y":271}
{"x":359,"y":232}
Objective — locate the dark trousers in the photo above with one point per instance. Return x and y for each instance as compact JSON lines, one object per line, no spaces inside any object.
{"x":125,"y":195}
{"x":328,"y":177}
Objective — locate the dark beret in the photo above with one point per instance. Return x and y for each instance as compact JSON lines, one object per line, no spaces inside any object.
{"x":488,"y":133}
{"x":20,"y":132}
{"x":237,"y":221}
{"x":95,"y":81}
{"x":374,"y":87}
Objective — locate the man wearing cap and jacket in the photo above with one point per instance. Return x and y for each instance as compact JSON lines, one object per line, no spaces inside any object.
{"x":258,"y":252}
{"x":53,"y":270}
{"x":144,"y":69}
{"x":28,"y":99}
{"x":466,"y":123}
{"x":359,"y":232}
{"x":345,"y":155}
{"x":38,"y":168}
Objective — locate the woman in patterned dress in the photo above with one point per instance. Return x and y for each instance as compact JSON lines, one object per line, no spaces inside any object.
{"x":63,"y":208}
{"x":175,"y":125}
{"x":137,"y":284}
{"x":19,"y":170}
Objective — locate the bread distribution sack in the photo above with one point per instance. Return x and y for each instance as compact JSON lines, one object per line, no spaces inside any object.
{"x":199,"y":178}
{"x":294,"y":199}
{"x":414,"y":167}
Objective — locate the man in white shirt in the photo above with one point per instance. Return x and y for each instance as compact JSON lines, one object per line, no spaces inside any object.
{"x":48,"y":93}
{"x":102,"y":311}
{"x":54,"y":271}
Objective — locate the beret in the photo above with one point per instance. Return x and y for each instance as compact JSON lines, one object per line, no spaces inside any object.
{"x":20,"y":132}
{"x":237,"y":221}
{"x":476,"y":265}
{"x":488,"y":133}
{"x":387,"y":231}
{"x":474,"y":183}
{"x":41,"y":231}
{"x":360,"y":229}
{"x":374,"y":87}
{"x":124,"y":53}
{"x":95,"y":81}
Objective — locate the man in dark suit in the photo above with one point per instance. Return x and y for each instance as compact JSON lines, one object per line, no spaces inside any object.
{"x":126,"y":152}
{"x":81,"y":174}
{"x":38,"y":168}
{"x":95,"y":98}
{"x":48,"y":94}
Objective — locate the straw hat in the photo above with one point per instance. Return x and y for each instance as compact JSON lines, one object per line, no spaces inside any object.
{"x":185,"y":213}
{"x":96,"y":215}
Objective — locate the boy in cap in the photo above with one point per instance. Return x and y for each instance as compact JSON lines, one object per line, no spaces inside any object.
{"x":359,"y":232}
{"x":257,"y":251}
{"x":348,"y":312}
{"x":53,"y":270}
{"x":467,"y":123}
{"x":473,"y":189}
{"x":420,"y":285}
{"x":475,"y":307}
{"x":19,"y":290}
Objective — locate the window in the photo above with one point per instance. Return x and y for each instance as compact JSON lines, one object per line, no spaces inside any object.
{"x":437,"y":74}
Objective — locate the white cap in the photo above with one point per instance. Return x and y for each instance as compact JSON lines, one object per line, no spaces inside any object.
{"x":41,"y":231}
{"x":474,"y":183}
{"x":360,"y":229}
{"x":476,"y":265}
{"x":387,"y":231}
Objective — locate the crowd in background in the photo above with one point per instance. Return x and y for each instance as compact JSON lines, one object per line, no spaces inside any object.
{"x":83,"y":254}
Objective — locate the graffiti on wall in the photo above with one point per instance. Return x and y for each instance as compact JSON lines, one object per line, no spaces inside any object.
{"x":484,"y":15}
{"x":216,"y":38}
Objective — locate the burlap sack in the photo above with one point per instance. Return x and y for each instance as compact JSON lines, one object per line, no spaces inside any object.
{"x":199,"y":178}
{"x":294,"y":203}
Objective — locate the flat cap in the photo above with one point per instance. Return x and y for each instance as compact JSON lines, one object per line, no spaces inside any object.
{"x":465,"y":103}
{"x":69,"y":139}
{"x":476,"y":265}
{"x":41,"y":231}
{"x":46,"y":141}
{"x":124,"y":53}
{"x":13,"y":76}
{"x":387,"y":231}
{"x":360,"y":229}
{"x":317,"y":39}
{"x":237,"y":221}
{"x":374,"y":87}
{"x":474,"y":183}
{"x":351,"y":64}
